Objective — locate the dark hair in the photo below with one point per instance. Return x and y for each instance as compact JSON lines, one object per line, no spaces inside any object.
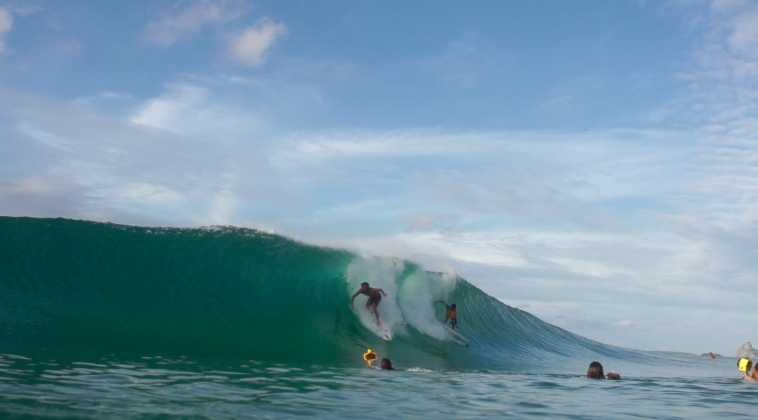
{"x":365,"y":282}
{"x":386,"y":364}
{"x":595,"y":371}
{"x":452,"y":306}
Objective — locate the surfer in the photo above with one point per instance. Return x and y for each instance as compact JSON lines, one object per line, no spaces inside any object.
{"x":374,"y":297}
{"x":450,"y":314}
{"x":595,"y":371}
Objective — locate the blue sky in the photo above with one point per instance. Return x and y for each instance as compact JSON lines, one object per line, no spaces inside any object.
{"x":591,"y":162}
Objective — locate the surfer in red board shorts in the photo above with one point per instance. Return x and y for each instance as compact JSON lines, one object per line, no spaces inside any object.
{"x":374,"y":297}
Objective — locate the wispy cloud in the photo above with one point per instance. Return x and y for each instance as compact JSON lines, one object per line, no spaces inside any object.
{"x":658,"y":217}
{"x":192,"y":19}
{"x":25,"y":10}
{"x":744,"y":38}
{"x":466,"y":62}
{"x":598,"y":231}
{"x":724,"y":84}
{"x":250,"y":46}
{"x":429,"y":221}
{"x":6,"y":23}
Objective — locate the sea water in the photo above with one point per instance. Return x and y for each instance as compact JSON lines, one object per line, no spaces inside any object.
{"x":156,"y":387}
{"x":110,"y":321}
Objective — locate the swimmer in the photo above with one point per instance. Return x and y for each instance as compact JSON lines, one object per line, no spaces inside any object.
{"x":754,"y":376}
{"x":450,"y":314}
{"x":595,"y":371}
{"x":387,"y":364}
{"x":745,"y":364}
{"x":370,"y":356}
{"x":372,"y":303}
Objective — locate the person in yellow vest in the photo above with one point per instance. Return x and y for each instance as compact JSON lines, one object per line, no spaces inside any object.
{"x":748,"y":374}
{"x":450,"y":314}
{"x":370,"y":357}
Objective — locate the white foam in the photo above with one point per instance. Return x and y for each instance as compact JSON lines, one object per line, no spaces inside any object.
{"x":411,"y":303}
{"x":379,"y":273}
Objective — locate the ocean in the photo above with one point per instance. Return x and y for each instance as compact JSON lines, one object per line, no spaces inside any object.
{"x":100,"y":320}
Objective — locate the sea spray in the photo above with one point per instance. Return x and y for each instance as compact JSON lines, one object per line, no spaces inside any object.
{"x":419,"y":291}
{"x":380,"y":273}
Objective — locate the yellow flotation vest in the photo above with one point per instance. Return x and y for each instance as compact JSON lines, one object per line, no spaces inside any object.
{"x":369,"y":355}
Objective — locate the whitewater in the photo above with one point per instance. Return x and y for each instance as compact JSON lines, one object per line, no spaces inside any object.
{"x":100,"y":320}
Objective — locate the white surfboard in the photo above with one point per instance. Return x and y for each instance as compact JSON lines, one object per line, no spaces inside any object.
{"x":458,"y":338}
{"x":385,"y":332}
{"x":369,"y":321}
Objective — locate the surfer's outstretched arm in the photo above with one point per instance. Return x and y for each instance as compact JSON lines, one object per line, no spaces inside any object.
{"x":442,"y":302}
{"x":353,"y":298}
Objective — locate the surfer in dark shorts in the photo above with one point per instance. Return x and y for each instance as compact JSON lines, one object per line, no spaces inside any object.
{"x":374,"y":297}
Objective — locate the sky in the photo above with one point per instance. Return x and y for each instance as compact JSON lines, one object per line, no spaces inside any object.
{"x":594,"y":163}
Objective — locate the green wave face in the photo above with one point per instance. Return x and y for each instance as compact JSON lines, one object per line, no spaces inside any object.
{"x":79,"y":287}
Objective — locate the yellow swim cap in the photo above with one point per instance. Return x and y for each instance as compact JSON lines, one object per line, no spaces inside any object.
{"x":744,"y":364}
{"x":369,"y":355}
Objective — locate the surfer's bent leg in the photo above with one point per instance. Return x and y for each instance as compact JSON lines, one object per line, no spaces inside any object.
{"x":372,"y":303}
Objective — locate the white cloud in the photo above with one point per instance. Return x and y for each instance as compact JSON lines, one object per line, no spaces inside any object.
{"x":429,"y":221}
{"x":6,"y":23}
{"x":658,"y":218}
{"x":201,"y":13}
{"x":744,"y":38}
{"x":192,"y":111}
{"x":728,"y":59}
{"x":729,"y":6}
{"x":169,"y":111}
{"x":24,"y":10}
{"x":249,"y":47}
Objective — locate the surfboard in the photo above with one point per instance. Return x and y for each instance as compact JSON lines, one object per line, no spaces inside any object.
{"x":385,"y":332}
{"x":458,"y":338}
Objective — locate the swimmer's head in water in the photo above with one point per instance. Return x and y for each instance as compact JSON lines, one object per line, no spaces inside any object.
{"x":369,"y":355}
{"x":744,"y":364}
{"x":386,"y":364}
{"x":595,"y":371}
{"x":452,"y":306}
